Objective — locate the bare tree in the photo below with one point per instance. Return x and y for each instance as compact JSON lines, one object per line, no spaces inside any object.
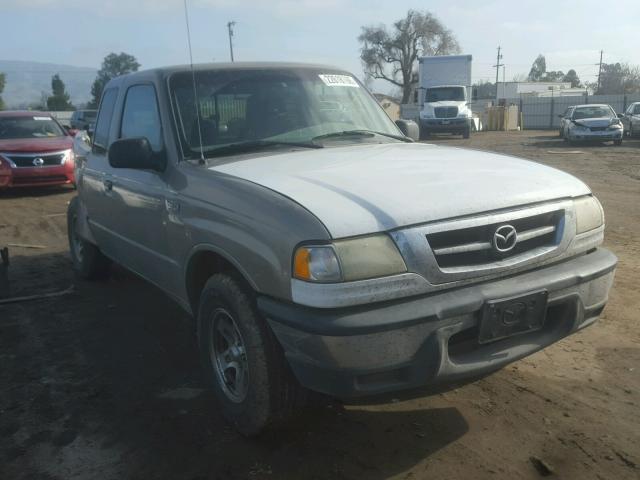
{"x":392,"y":55}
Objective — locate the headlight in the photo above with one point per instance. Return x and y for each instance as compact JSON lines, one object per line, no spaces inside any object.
{"x":426,"y":115}
{"x":589,"y":214}
{"x":615,"y":124}
{"x":348,"y":260}
{"x":580,"y":128}
{"x":68,"y":157}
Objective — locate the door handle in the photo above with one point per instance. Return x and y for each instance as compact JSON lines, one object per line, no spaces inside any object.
{"x":108,"y":185}
{"x":172,"y":206}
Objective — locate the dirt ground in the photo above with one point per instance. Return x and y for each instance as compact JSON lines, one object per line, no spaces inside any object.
{"x":103,"y":383}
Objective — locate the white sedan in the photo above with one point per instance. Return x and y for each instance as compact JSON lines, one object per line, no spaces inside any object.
{"x":594,"y":122}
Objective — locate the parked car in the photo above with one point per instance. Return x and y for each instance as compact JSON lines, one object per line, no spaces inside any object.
{"x":320,"y":249}
{"x":34,"y":150}
{"x":565,"y":120}
{"x":593,"y":123}
{"x":83,"y":119}
{"x":631,"y":119}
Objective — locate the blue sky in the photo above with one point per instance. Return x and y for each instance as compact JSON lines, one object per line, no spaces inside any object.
{"x":81,"y":32}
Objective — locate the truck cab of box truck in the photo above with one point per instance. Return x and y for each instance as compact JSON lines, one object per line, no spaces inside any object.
{"x":445,"y":95}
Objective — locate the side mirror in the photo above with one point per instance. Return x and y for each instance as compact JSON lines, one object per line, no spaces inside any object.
{"x":474,"y":94}
{"x":72,"y":131}
{"x":560,"y":116}
{"x":135,"y":153}
{"x":409,"y":128}
{"x":621,"y":115}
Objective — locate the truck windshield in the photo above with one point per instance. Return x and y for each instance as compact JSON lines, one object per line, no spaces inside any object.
{"x":443,"y":94}
{"x":29,"y":127}
{"x":279,"y":105}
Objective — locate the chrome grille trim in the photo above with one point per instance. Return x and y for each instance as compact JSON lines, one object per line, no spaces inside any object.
{"x":63,"y":154}
{"x":420,"y":258}
{"x":477,"y":246}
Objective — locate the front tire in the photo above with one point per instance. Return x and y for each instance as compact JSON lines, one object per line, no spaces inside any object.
{"x":241,"y":359}
{"x":466,"y":133}
{"x":88,"y":261}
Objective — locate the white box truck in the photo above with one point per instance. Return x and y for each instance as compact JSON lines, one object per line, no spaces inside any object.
{"x":445,"y":95}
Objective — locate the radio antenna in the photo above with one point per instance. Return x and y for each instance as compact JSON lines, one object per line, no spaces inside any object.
{"x":193,"y":80}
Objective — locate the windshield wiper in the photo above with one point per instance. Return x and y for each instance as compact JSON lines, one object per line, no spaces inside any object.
{"x":360,"y":133}
{"x":255,"y":146}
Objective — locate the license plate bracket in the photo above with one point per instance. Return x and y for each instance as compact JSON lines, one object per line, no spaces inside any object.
{"x":513,"y":316}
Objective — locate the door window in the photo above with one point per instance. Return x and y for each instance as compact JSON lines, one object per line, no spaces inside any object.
{"x":103,"y":123}
{"x":140,"y":117}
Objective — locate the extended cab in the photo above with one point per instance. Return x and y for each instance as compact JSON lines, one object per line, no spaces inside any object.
{"x":320,"y":249}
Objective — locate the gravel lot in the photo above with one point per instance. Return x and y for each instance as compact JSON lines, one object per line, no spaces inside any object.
{"x":103,"y":383}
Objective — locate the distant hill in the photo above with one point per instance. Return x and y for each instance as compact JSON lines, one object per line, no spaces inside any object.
{"x":27,"y":80}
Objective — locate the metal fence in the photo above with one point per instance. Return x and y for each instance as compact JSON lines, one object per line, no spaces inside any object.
{"x":539,"y":113}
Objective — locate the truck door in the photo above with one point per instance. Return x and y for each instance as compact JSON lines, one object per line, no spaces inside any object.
{"x":93,"y":177}
{"x":139,"y":195}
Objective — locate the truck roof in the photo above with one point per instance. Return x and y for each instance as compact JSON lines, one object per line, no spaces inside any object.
{"x":444,"y":58}
{"x":202,"y":67}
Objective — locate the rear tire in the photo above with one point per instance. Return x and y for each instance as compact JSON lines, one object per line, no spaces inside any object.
{"x":242,"y":360}
{"x":88,"y":261}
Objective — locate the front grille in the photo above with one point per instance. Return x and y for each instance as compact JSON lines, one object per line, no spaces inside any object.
{"x":27,"y":160}
{"x":40,"y":179}
{"x":473,"y":246}
{"x":598,"y":129}
{"x":446,"y":112}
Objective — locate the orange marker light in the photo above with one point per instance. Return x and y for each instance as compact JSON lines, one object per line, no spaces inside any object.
{"x":301,"y":264}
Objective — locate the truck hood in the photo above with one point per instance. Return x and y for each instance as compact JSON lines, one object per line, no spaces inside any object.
{"x":36,"y":145}
{"x":355,"y":190}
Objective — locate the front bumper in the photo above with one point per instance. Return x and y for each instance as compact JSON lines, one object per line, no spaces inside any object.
{"x":432,"y":339}
{"x":600,"y":136}
{"x":37,"y":176}
{"x":446,"y":124}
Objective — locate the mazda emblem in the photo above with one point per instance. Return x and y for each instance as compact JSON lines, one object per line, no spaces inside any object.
{"x":38,"y":162}
{"x":505,"y":238}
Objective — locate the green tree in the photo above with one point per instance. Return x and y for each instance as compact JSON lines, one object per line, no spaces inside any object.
{"x":392,"y":55}
{"x":538,"y":69}
{"x":572,"y":77}
{"x":59,"y":101}
{"x":553,"y":76}
{"x":113,"y":65}
{"x":619,"y":78}
{"x":485,"y":90}
{"x":3,"y":80}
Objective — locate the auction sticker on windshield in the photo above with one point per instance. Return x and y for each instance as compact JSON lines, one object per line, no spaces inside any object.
{"x":42,"y":119}
{"x":338,"y":80}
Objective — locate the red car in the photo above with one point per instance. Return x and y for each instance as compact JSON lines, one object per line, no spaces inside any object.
{"x":34,"y":150}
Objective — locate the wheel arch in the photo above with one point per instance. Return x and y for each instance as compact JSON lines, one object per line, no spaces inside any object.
{"x":204,"y":261}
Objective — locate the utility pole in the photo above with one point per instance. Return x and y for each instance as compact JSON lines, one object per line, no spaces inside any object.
{"x":230,"y":28}
{"x":497,"y":67}
{"x":599,"y":72}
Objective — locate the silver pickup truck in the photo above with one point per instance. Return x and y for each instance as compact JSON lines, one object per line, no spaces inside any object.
{"x":318,"y":247}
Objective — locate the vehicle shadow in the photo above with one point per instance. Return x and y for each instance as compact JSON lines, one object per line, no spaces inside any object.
{"x":35,"y":191}
{"x":108,"y":375}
